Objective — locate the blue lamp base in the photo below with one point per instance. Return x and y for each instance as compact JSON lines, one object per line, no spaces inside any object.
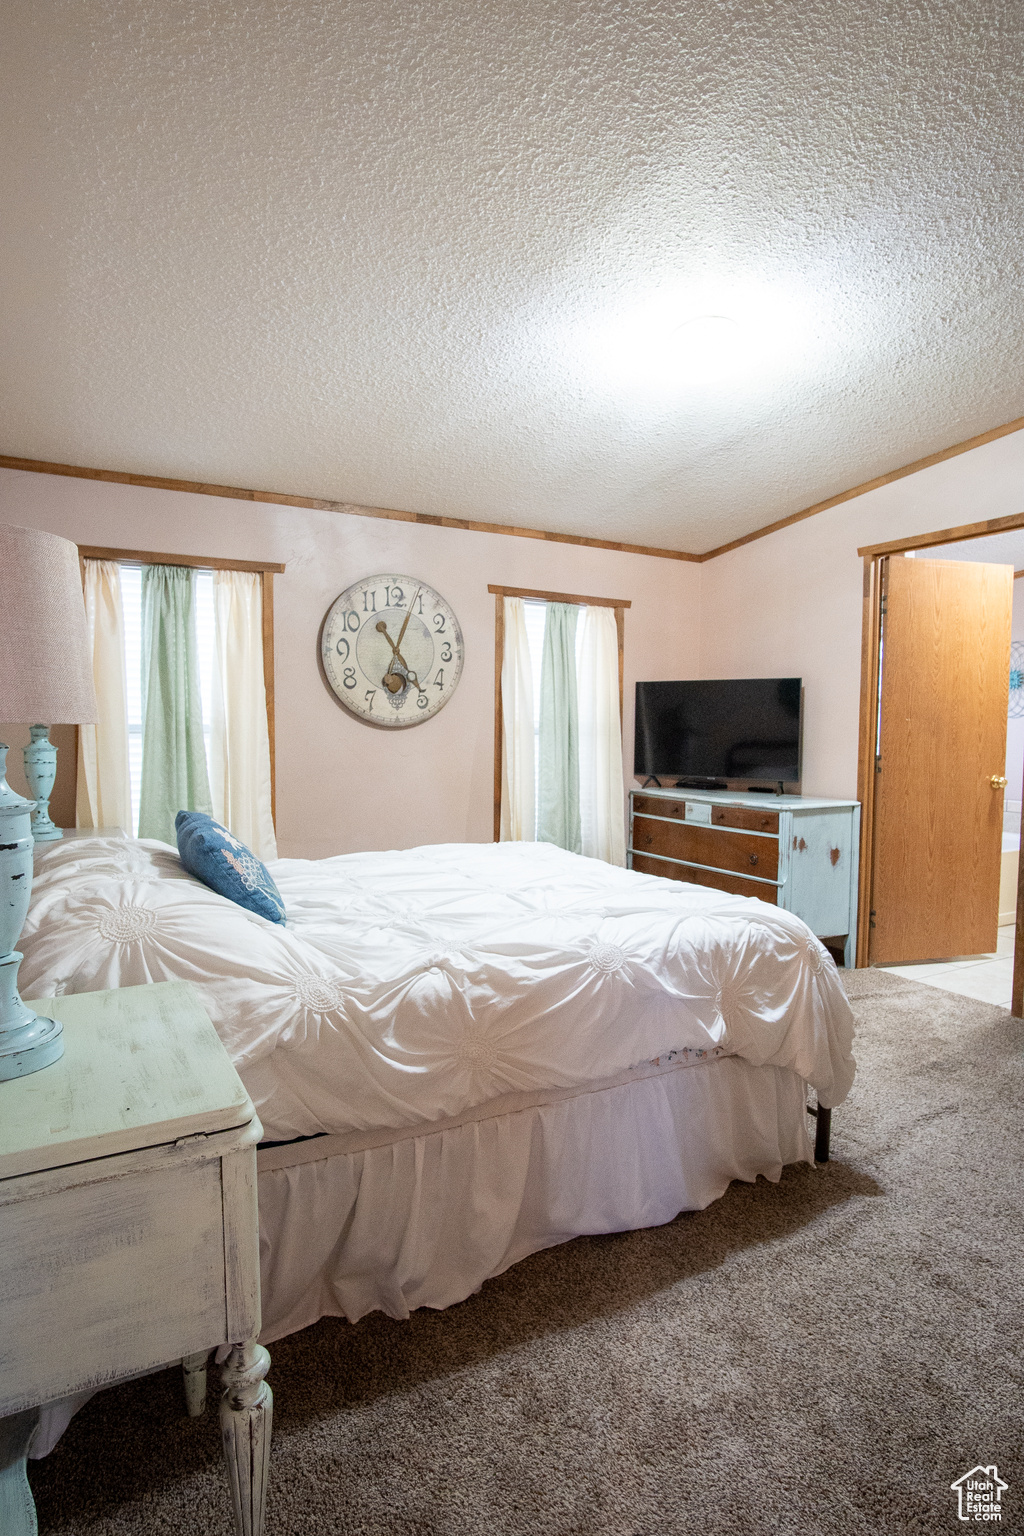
{"x":27,"y":1041}
{"x":40,"y":757}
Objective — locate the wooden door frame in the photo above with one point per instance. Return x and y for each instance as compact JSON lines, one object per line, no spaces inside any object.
{"x":873,"y":555}
{"x":873,"y":571}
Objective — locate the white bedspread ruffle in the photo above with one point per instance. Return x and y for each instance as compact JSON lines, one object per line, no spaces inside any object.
{"x":424,"y":1221}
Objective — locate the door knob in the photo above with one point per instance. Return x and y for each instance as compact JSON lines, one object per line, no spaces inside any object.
{"x":997,"y":782}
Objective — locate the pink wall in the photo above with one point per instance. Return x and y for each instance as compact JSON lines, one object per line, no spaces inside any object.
{"x":343,"y":785}
{"x":785,"y":605}
{"x":790,"y":604}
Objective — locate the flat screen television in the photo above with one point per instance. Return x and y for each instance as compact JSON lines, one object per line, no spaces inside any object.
{"x":744,"y":729}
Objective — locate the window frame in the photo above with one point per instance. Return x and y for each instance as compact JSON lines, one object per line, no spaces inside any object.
{"x":620,"y":604}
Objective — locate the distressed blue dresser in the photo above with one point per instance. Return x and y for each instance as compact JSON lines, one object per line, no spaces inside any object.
{"x":794,"y":851}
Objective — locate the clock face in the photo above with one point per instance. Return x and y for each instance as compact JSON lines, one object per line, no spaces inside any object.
{"x":392,"y":650}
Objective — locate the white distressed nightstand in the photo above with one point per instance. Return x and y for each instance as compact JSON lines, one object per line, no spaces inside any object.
{"x":128,"y":1227}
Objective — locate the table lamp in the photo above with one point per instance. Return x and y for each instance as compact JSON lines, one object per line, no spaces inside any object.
{"x":45,"y":673}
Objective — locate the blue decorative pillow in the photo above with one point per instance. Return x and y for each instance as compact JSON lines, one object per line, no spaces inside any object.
{"x":208,"y":851}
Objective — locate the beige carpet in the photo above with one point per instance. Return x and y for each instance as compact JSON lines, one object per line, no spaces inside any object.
{"x":821,"y":1356}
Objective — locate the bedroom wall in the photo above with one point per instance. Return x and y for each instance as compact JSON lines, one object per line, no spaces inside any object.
{"x":790,"y":604}
{"x":341,"y":784}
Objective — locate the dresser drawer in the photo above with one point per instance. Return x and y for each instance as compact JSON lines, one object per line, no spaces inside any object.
{"x":752,"y":819}
{"x":734,"y":885}
{"x":651,"y":806}
{"x":748,"y":855}
{"x":111,"y":1277}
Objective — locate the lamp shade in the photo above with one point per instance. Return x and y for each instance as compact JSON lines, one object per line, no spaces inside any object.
{"x":45,"y":666}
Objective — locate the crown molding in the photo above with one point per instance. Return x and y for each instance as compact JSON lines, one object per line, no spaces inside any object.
{"x":869,"y":485}
{"x":319,"y":504}
{"x":468,"y":525}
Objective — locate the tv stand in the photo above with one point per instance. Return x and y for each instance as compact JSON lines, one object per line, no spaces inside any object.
{"x":793,"y":851}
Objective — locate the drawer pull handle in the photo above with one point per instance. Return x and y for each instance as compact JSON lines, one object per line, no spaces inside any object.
{"x":753,"y":858}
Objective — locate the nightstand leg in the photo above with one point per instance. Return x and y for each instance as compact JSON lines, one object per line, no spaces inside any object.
{"x":246,"y":1413}
{"x":17,"y":1506}
{"x":194,"y":1381}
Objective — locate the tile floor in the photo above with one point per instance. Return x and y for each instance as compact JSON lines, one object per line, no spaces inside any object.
{"x":986,"y":977}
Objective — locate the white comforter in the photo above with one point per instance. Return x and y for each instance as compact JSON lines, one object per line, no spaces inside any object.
{"x":410,"y":986}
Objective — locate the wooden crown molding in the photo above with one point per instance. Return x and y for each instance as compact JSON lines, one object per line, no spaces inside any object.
{"x":871,"y":485}
{"x":468,"y":525}
{"x":319,"y":504}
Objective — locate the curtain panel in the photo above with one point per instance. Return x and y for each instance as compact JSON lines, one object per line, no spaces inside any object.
{"x":174,"y":772}
{"x":518,"y":800}
{"x":239,"y":740}
{"x":558,"y":761}
{"x":104,"y":795}
{"x":602,"y":791}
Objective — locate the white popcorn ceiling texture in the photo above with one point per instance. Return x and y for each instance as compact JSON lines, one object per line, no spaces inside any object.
{"x":431,"y":255}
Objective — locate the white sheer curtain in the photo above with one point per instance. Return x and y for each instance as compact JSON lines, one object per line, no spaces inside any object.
{"x":239,"y":741}
{"x":602,"y":794}
{"x":518,"y":794}
{"x":104,"y":796}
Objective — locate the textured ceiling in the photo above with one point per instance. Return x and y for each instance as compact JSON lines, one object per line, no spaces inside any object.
{"x":435,"y":256}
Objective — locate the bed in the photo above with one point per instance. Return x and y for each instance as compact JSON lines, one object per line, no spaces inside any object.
{"x":465,"y":1053}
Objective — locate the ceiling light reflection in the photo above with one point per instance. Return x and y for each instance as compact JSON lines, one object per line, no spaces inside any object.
{"x":710,"y":346}
{"x":728,"y":341}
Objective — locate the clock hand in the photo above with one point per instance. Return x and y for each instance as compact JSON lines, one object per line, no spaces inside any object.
{"x":401,"y":636}
{"x":408,"y":616}
{"x":383,"y":629}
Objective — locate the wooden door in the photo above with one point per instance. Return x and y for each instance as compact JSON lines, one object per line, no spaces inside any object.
{"x":938,"y":818}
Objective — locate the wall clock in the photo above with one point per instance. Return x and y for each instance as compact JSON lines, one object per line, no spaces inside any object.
{"x":392,"y":650}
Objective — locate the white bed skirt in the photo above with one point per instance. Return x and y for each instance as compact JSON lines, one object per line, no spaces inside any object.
{"x":397,"y":1223}
{"x":424,"y":1220}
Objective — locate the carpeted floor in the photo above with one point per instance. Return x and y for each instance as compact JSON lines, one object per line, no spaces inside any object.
{"x":823,"y":1356}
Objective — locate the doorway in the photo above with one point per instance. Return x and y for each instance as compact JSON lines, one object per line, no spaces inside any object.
{"x":942,"y":749}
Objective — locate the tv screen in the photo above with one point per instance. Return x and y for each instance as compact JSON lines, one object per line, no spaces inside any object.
{"x":737,"y":728}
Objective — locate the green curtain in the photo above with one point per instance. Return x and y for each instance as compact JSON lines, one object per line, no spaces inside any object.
{"x":174,"y":774}
{"x":558,"y":768}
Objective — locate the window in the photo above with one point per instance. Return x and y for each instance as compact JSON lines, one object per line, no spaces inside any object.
{"x":200,"y":735}
{"x":130,"y":578}
{"x":558,"y":714}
